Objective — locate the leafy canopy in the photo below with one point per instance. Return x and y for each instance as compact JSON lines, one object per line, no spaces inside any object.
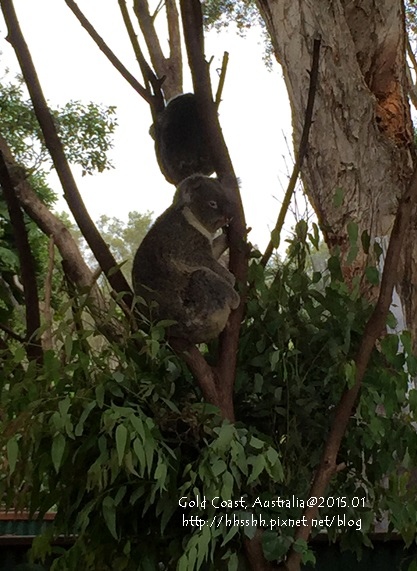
{"x":112,"y":439}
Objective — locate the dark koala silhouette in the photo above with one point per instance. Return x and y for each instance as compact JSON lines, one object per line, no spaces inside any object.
{"x":181,"y":146}
{"x":176,"y":264}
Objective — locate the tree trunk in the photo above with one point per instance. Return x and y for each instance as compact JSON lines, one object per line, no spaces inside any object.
{"x":361,"y":141}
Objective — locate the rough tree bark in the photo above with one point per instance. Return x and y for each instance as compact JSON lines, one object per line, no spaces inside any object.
{"x":361,"y":140}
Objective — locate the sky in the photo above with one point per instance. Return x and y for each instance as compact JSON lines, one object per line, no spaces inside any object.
{"x":254,"y":113}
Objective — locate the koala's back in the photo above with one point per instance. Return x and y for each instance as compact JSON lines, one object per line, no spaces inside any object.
{"x":161,"y":262}
{"x":180,"y":143}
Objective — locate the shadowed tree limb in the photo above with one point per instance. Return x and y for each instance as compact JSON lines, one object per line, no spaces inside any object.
{"x":27,"y":264}
{"x":228,"y":344}
{"x":276,"y":232}
{"x":55,"y":147}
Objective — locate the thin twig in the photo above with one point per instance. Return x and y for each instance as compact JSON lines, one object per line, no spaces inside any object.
{"x":27,"y":263}
{"x":301,"y":153}
{"x":222,"y":79}
{"x":47,"y":311}
{"x":55,"y":147}
{"x":111,"y":56}
{"x":373,"y":329}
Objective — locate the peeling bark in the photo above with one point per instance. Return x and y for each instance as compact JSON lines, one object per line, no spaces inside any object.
{"x":361,"y":140}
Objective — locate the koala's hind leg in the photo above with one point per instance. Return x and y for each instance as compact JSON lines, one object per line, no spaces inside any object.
{"x":206,"y":291}
{"x":207,"y":301}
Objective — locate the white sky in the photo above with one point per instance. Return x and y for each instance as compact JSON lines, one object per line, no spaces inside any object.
{"x":254,"y":114}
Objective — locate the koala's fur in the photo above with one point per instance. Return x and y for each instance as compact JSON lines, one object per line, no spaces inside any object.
{"x":181,"y":146}
{"x":176,"y":264}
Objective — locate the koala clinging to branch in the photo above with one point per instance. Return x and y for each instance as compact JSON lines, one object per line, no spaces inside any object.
{"x":176,"y":264}
{"x":181,"y":145}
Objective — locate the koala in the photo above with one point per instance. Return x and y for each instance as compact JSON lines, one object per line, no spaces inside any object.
{"x":181,"y":146}
{"x":176,"y":264}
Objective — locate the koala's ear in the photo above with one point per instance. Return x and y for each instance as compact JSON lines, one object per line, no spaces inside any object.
{"x":187,"y":189}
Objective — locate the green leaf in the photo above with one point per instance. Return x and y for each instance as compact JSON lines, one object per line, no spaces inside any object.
{"x":121,"y":439}
{"x":218,"y":467}
{"x":339,"y":194}
{"x":160,"y":475}
{"x":275,"y":238}
{"x":12,"y":448}
{"x":352,"y":230}
{"x":118,"y":377}
{"x":315,"y":237}
{"x":226,"y":434}
{"x":84,"y":415}
{"x":57,"y":450}
{"x":109,"y":514}
{"x":352,"y":254}
{"x":372,"y":275}
{"x":137,"y":424}
{"x":256,"y":443}
{"x":227,"y":487}
{"x":121,"y":492}
{"x":366,"y":241}
{"x":230,"y":534}
{"x":350,"y":373}
{"x":140,"y":452}
{"x":258,"y":464}
{"x":333,"y":263}
{"x":412,"y":399}
{"x":100,"y":392}
{"x":275,"y":546}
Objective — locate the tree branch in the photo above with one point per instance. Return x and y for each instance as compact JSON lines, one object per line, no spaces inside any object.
{"x":276,"y":232}
{"x":373,"y":330}
{"x":111,"y":56}
{"x":54,"y":145}
{"x":174,"y":38}
{"x":27,"y":264}
{"x":164,"y":68}
{"x":194,"y":39}
{"x":157,"y":104}
{"x":219,"y":92}
{"x":47,"y":311}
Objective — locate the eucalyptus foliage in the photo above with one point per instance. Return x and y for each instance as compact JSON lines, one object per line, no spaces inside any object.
{"x":119,"y":444}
